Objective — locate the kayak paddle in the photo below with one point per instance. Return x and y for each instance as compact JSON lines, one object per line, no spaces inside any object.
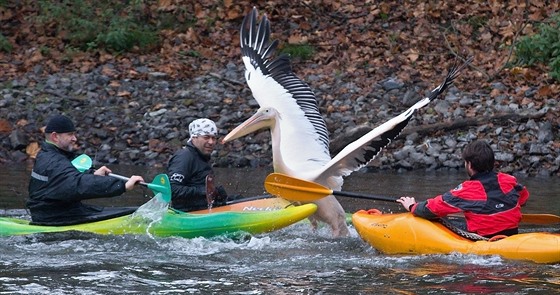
{"x":82,"y":162}
{"x":160,"y":184}
{"x":299,"y":190}
{"x":295,"y":189}
{"x":536,"y":218}
{"x":540,"y":218}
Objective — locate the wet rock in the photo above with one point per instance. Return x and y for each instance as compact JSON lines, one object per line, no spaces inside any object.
{"x":545,"y":132}
{"x":503,"y":157}
{"x":537,"y":149}
{"x":443,"y":107}
{"x":391,"y":84}
{"x":20,"y":83}
{"x":18,"y":156}
{"x":18,"y":140}
{"x":466,"y":101}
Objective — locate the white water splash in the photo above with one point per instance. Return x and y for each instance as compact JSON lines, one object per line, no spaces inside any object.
{"x":151,"y":212}
{"x":258,"y":243}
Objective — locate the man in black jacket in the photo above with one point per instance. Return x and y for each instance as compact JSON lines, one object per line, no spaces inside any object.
{"x":56,"y":187}
{"x":188,"y":168}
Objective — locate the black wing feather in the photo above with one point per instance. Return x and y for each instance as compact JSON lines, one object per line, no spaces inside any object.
{"x":256,"y":45}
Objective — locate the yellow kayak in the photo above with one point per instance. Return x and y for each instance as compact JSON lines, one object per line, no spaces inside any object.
{"x":404,"y":233}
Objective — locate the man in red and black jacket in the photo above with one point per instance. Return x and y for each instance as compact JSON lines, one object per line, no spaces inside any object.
{"x":491,"y":201}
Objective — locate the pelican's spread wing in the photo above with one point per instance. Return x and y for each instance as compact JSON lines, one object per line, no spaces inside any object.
{"x":362,"y":151}
{"x":304,"y":135}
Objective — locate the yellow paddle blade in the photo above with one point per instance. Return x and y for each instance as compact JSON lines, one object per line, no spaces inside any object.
{"x":294,"y":189}
{"x":540,"y":218}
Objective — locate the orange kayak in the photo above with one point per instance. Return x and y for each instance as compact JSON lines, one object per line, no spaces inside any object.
{"x":404,"y":233}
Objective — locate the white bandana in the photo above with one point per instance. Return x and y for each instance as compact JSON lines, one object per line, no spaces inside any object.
{"x":202,"y":127}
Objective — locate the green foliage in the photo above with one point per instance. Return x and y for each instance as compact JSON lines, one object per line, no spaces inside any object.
{"x":5,"y":44}
{"x":302,"y":51}
{"x":69,"y":53}
{"x":102,"y":24}
{"x":123,"y":37}
{"x":477,"y":21}
{"x":543,"y":47}
{"x":192,"y":53}
{"x":45,"y":51}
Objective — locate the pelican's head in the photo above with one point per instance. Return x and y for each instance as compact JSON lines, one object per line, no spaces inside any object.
{"x":263,"y":118}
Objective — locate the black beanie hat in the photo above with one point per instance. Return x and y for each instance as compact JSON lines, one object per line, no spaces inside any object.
{"x":60,"y":124}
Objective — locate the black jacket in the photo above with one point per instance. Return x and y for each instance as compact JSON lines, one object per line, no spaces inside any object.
{"x":56,"y":188}
{"x":187,"y":170}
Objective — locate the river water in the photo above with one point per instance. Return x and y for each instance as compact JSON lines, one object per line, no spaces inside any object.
{"x":294,"y":260}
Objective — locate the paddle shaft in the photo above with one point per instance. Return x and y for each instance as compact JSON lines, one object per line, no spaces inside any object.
{"x":126,"y":178}
{"x":83,"y":162}
{"x":160,"y":184}
{"x":363,"y":196}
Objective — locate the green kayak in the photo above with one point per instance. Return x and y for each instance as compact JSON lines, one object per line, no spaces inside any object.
{"x":253,"y":217}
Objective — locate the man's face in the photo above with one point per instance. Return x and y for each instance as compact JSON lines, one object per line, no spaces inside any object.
{"x":204,"y":143}
{"x":65,"y":141}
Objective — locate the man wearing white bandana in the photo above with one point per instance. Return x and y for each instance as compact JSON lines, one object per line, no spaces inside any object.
{"x":188,"y":167}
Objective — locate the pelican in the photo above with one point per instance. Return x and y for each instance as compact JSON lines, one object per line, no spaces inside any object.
{"x":300,"y":139}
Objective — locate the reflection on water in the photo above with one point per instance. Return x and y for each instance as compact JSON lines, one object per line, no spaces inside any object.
{"x":294,"y":260}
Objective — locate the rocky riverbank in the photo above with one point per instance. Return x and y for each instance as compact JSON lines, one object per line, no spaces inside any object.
{"x":143,"y":121}
{"x":368,"y":62}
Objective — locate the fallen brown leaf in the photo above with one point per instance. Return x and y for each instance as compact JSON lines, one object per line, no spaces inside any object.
{"x":32,"y":149}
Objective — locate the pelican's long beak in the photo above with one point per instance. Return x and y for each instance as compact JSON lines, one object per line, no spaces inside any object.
{"x":259,"y":120}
